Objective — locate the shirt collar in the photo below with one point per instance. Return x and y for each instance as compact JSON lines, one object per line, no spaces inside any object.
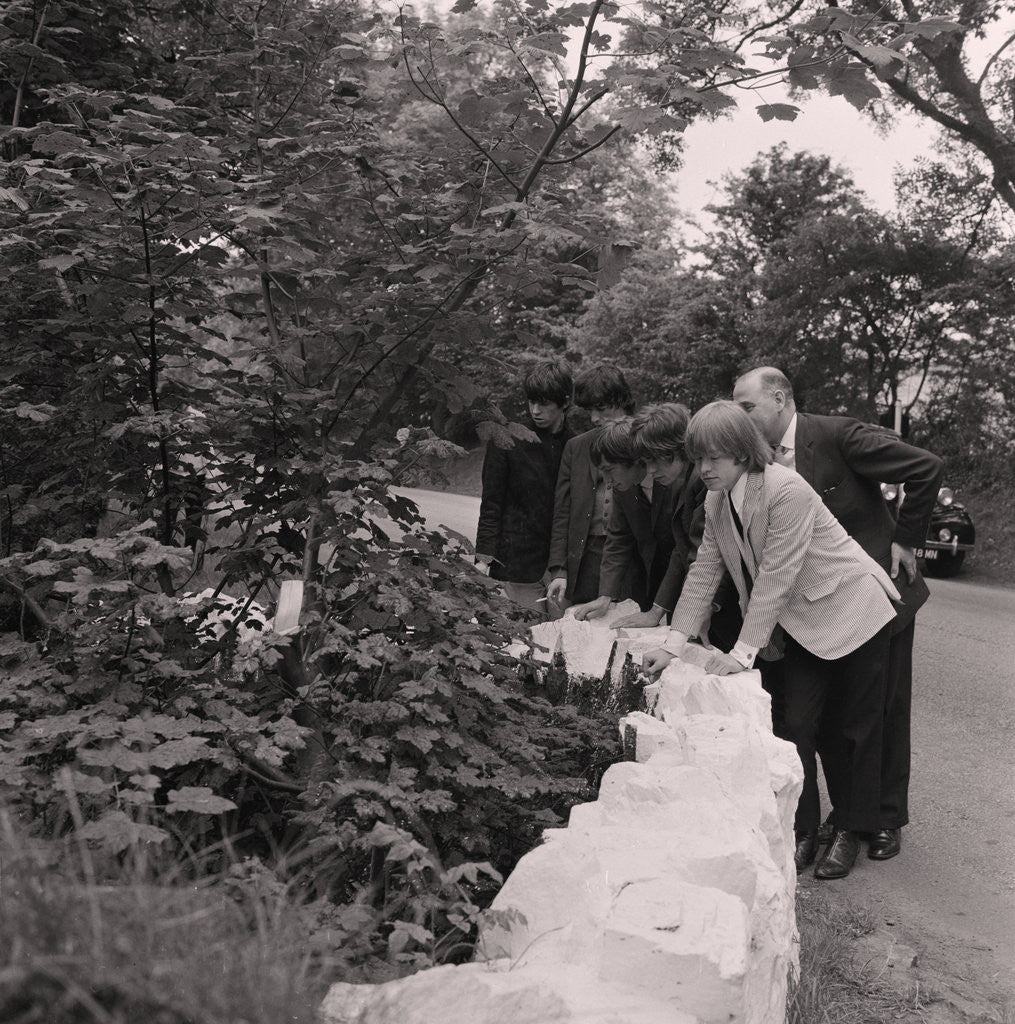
{"x":789,"y":438}
{"x":737,"y":492}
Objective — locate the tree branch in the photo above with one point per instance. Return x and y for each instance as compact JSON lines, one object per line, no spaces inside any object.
{"x":29,"y":602}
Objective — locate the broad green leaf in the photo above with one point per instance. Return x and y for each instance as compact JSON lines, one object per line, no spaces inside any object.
{"x":198,"y":799}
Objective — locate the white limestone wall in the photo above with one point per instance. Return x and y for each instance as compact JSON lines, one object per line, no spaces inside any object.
{"x":668,"y":900}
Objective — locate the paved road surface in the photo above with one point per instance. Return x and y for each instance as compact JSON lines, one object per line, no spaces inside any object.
{"x":949,"y":898}
{"x":950,"y":894}
{"x":457,"y":511}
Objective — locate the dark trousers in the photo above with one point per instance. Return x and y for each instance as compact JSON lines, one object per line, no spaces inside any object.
{"x":773,"y":683}
{"x":895,"y":743}
{"x":843,"y":700}
{"x":586,"y":584}
{"x":895,"y":755}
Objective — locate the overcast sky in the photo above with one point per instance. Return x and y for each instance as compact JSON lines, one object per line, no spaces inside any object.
{"x":825,"y":125}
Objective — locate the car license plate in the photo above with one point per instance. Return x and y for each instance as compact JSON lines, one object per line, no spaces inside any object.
{"x":929,"y":554}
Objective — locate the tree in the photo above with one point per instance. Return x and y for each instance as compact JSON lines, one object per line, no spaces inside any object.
{"x":916,"y":54}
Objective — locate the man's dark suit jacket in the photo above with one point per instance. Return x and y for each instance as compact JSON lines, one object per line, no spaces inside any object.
{"x":572,"y":507}
{"x":640,"y":536}
{"x":516,"y":511}
{"x":846,"y":461}
{"x":687,"y":523}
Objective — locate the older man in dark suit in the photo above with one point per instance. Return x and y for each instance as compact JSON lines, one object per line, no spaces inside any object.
{"x":846,"y":461}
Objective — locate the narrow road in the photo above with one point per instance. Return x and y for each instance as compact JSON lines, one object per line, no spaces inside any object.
{"x":949,"y":898}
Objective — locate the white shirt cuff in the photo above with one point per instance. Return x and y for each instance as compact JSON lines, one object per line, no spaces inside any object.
{"x":675,"y":642}
{"x":744,"y":653}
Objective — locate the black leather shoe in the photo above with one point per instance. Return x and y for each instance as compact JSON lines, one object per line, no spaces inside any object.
{"x":826,"y":830}
{"x":840,"y":856}
{"x":806,"y":849}
{"x":885,"y":844}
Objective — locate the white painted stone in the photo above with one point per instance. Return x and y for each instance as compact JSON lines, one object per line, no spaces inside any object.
{"x":562,"y":893}
{"x":689,"y":944}
{"x":586,"y":645}
{"x":643,"y":735}
{"x":500,"y":993}
{"x":686,"y":689}
{"x":755,"y":769}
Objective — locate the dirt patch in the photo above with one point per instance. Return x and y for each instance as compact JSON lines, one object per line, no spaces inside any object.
{"x":907,"y":969}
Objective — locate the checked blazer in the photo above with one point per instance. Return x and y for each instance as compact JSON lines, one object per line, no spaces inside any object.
{"x":806,"y":573}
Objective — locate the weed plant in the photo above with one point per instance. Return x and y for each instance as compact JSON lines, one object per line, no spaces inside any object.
{"x":835,"y":985}
{"x":87,"y":939}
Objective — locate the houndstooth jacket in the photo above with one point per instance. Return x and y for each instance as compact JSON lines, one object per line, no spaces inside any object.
{"x":809,"y":575}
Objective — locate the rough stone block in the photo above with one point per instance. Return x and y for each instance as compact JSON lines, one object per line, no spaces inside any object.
{"x":500,"y":993}
{"x":686,"y":689}
{"x":751,"y":765}
{"x":689,"y":944}
{"x":642,"y":736}
{"x":562,"y":895}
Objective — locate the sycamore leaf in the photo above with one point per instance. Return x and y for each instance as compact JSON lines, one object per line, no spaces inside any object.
{"x":885,"y":61}
{"x":44,"y":567}
{"x":40,"y":413}
{"x":851,"y":82}
{"x":495,"y":433}
{"x":13,"y":196}
{"x":117,"y":832}
{"x":471,"y":870}
{"x":777,"y":111}
{"x":403,"y":932}
{"x":462,"y":6}
{"x":547,"y":42}
{"x":929,"y":28}
{"x":199,"y":799}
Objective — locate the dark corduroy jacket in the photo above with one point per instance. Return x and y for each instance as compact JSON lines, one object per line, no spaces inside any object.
{"x":516,"y":512}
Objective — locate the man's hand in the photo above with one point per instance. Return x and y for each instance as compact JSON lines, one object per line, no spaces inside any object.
{"x":592,"y":609}
{"x":906,"y":557}
{"x":640,"y":619}
{"x":483,"y":563}
{"x":555,"y":589}
{"x":720,"y":664}
{"x":655,"y":661}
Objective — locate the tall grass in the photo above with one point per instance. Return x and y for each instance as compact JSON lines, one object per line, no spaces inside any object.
{"x":836,"y":984}
{"x":84,"y":941}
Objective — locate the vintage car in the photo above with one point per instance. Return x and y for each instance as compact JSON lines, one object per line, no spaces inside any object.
{"x":950,"y":536}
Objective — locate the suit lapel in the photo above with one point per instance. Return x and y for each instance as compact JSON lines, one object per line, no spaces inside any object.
{"x":803,"y":455}
{"x":660,"y":498}
{"x":752,"y":498}
{"x":727,"y":537}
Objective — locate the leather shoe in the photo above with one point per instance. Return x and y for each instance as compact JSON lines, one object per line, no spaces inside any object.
{"x":826,"y":830}
{"x":806,"y":849}
{"x":840,"y":856}
{"x":885,"y":844}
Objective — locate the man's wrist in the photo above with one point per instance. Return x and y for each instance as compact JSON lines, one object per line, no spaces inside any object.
{"x":744,"y":654}
{"x":660,"y":611}
{"x":674,"y":643}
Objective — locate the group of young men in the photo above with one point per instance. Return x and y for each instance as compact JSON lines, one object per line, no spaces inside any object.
{"x":620,"y":511}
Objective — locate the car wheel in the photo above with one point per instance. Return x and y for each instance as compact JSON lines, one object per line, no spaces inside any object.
{"x":945,"y":565}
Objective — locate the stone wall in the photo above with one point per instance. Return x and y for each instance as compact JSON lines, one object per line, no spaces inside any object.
{"x":669,"y":900}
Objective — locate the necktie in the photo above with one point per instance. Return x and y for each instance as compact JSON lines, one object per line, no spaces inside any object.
{"x":748,"y":581}
{"x":783,"y":455}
